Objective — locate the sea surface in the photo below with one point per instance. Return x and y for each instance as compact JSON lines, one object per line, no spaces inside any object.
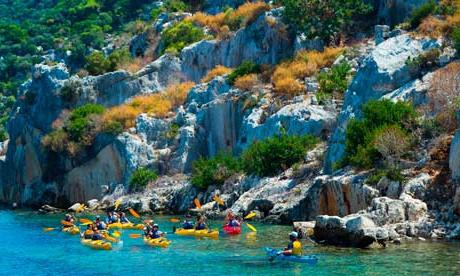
{"x":27,"y":250}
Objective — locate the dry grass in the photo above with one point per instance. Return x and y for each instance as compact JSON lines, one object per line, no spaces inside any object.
{"x":246,"y":82}
{"x":222,"y":23}
{"x":219,"y":70}
{"x":286,"y":76}
{"x":432,"y":27}
{"x":157,"y":105}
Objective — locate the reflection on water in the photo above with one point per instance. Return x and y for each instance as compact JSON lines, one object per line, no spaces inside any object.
{"x":26,"y":249}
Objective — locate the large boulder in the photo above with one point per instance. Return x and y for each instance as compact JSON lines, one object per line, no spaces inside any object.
{"x":384,"y":71}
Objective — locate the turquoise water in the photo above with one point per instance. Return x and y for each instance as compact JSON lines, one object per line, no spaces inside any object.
{"x":26,"y":250}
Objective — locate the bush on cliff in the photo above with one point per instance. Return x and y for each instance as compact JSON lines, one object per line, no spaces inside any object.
{"x":180,"y":35}
{"x":276,"y":154}
{"x":363,"y":148}
{"x":421,"y":13}
{"x":214,"y":170}
{"x":140,"y":178}
{"x":323,"y":18}
{"x":245,"y":68}
{"x":335,"y":81}
{"x":98,"y":64}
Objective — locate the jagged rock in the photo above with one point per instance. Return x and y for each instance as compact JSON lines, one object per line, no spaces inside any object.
{"x":454,"y":156}
{"x":75,"y":207}
{"x":303,"y":43}
{"x":264,"y":43}
{"x":455,"y":234}
{"x":47,"y":209}
{"x":307,"y":227}
{"x":395,"y":12}
{"x":383,"y":71}
{"x":138,"y":44}
{"x":416,"y":187}
{"x":389,"y":188}
{"x":415,"y":208}
{"x":92,"y":204}
{"x":216,"y":6}
{"x":414,"y":91}
{"x":382,"y":32}
{"x":353,"y":230}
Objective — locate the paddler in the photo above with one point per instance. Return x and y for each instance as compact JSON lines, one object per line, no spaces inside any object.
{"x":188,"y":223}
{"x":96,"y":234}
{"x":111,"y":218}
{"x":148,"y":228}
{"x":100,"y":225}
{"x":155,"y":233}
{"x":123,"y":218}
{"x":294,"y":247}
{"x":200,"y":223}
{"x":88,"y":234}
{"x":231,"y":220}
{"x":68,"y":218}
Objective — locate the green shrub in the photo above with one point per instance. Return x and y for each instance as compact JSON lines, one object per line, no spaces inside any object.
{"x":118,"y":57}
{"x":273,"y":155}
{"x":70,"y":91}
{"x":214,"y":171}
{"x":334,"y":81}
{"x":175,"y":6}
{"x":155,"y":13}
{"x":246,"y":67}
{"x":140,"y":178}
{"x":455,"y":36}
{"x":392,"y":174}
{"x":325,"y":18}
{"x":96,"y":63}
{"x":378,"y":115}
{"x":113,"y":127}
{"x":79,"y":124}
{"x":180,"y":35}
{"x":421,"y":13}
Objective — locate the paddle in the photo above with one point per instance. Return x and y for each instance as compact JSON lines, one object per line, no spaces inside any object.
{"x":117,"y":203}
{"x":49,"y":229}
{"x":250,"y":216}
{"x":66,"y":223}
{"x":219,"y":201}
{"x":197,"y":203}
{"x":86,"y":221}
{"x":134,"y":213}
{"x":135,"y":236}
{"x":251,"y":227}
{"x":175,"y":220}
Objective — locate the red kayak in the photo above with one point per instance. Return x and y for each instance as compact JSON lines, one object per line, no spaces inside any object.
{"x":232,"y":230}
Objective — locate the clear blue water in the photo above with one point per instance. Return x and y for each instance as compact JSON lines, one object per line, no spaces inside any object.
{"x":26,"y":250}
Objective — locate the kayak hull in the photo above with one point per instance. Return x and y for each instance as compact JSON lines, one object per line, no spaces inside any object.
{"x":118,"y":225}
{"x":159,"y":242}
{"x":73,"y":230}
{"x":232,"y":230}
{"x":307,"y":259}
{"x":98,"y":244}
{"x":198,"y":233}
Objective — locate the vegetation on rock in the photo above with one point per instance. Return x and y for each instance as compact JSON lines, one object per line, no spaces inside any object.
{"x":140,"y":178}
{"x":180,"y":35}
{"x":219,"y":70}
{"x":245,"y":68}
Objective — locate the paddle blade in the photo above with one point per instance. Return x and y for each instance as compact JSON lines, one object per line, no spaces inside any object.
{"x":66,"y":223}
{"x":218,"y":200}
{"x":250,"y":215}
{"x":134,"y":213}
{"x":175,"y":220}
{"x":48,"y":229}
{"x":135,"y":236}
{"x":117,"y":203}
{"x":86,"y":221}
{"x":116,"y":234}
{"x":197,"y":203}
{"x":251,"y":227}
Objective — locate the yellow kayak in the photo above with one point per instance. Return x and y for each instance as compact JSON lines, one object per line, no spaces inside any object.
{"x":109,"y":238}
{"x":159,"y":242}
{"x":98,"y":244}
{"x":198,"y":233}
{"x":118,"y":225}
{"x":72,"y":230}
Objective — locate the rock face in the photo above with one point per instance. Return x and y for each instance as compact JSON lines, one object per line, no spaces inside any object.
{"x":264,"y":43}
{"x":384,"y":71}
{"x":395,"y":12}
{"x":454,"y":156}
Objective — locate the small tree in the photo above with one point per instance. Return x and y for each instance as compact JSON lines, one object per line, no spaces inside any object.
{"x":391,"y":142}
{"x":322,"y":18}
{"x":140,"y":178}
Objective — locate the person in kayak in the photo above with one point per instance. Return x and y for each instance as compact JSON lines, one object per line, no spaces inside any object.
{"x":69,"y":218}
{"x":96,"y":234}
{"x":155,"y":233}
{"x":294,"y":247}
{"x":148,"y":228}
{"x":88,"y":234}
{"x":231,"y":220}
{"x":188,"y":223}
{"x":123,"y":218}
{"x":111,"y":218}
{"x":200,"y":223}
{"x":100,"y":225}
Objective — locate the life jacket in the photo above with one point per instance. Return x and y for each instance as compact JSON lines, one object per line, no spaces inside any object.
{"x":100,"y":226}
{"x":124,"y":220}
{"x":155,"y":234}
{"x":200,"y":226}
{"x":96,"y":237}
{"x":187,"y":225}
{"x":88,"y":234}
{"x":233,"y":223}
{"x":296,"y":248}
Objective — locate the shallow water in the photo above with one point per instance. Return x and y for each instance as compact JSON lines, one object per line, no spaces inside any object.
{"x":26,"y":250}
